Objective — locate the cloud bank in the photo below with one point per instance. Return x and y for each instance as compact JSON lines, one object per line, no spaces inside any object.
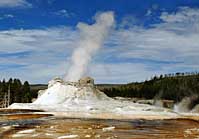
{"x":132,"y":54}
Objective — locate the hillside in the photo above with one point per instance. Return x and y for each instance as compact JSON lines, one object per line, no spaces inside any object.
{"x":168,"y":86}
{"x":171,"y":86}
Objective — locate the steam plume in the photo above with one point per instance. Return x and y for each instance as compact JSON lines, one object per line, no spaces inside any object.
{"x":91,"y":39}
{"x":188,"y":104}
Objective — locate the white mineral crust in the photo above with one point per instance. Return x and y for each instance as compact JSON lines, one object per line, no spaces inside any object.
{"x":85,"y":99}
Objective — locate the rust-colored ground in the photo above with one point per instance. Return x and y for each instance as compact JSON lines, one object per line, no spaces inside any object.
{"x":35,"y":125}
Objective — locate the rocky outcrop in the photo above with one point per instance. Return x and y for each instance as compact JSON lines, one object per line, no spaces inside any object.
{"x":86,"y":81}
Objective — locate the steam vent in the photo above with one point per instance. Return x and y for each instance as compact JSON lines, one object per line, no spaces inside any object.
{"x":83,"y":100}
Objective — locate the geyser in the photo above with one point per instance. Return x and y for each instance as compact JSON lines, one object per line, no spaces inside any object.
{"x":188,"y":104}
{"x":61,"y":92}
{"x":91,"y":39}
{"x":81,"y":99}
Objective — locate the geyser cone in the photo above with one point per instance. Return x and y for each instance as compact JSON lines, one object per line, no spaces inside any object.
{"x":61,"y":92}
{"x":82,"y":100}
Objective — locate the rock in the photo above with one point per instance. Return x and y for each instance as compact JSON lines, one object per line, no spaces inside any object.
{"x":28,"y":131}
{"x":33,"y":99}
{"x":108,"y":129}
{"x":164,"y":103}
{"x":68,"y":137}
{"x":86,"y":81}
{"x":146,"y":101}
{"x":87,"y":136}
{"x":55,"y":80}
{"x":40,"y":92}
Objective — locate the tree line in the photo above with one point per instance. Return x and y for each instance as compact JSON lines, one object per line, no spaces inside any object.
{"x":19,"y":92}
{"x":170,"y":86}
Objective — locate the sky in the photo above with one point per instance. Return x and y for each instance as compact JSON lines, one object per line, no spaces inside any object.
{"x":153,"y":37}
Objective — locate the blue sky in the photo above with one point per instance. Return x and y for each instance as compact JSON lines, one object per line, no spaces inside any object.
{"x":150,"y":37}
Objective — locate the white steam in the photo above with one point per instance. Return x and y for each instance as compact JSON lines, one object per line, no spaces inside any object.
{"x":91,"y":39}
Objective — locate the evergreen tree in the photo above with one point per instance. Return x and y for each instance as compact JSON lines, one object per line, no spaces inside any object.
{"x":26,"y":96}
{"x":16,"y":92}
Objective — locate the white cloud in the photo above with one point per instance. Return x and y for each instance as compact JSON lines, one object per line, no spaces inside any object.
{"x":6,"y":16}
{"x":14,"y":3}
{"x":172,"y":46}
{"x":185,"y":19}
{"x":132,"y":54}
{"x":45,"y":51}
{"x":9,"y":16}
{"x":64,"y":13}
{"x":183,"y":15}
{"x":149,"y":12}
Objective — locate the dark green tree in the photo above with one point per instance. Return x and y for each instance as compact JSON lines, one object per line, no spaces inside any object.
{"x":26,"y":96}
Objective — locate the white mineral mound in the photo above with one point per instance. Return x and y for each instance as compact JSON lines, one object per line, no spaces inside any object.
{"x":83,"y":97}
{"x":60,"y":92}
